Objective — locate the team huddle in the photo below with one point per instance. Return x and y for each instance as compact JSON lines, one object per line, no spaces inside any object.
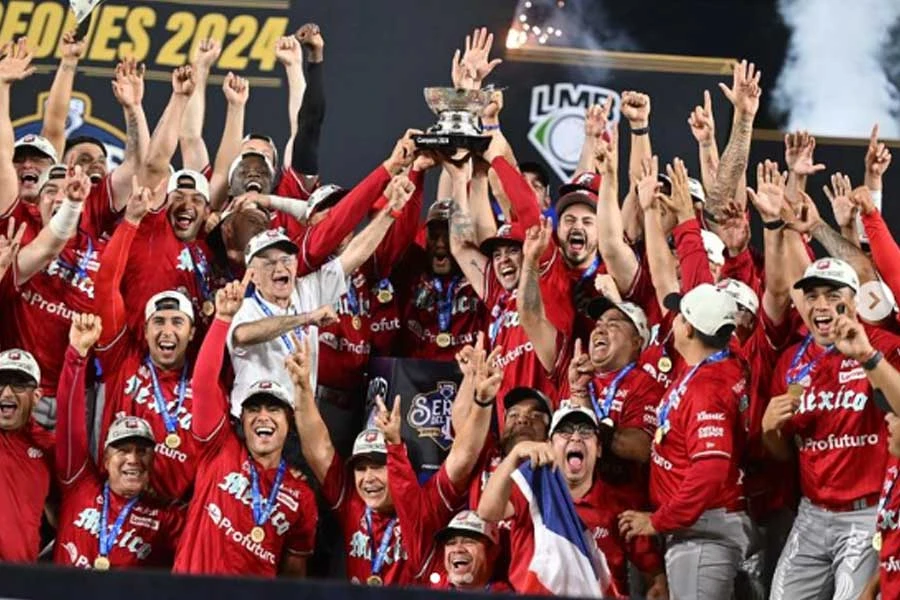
{"x":705,"y":411}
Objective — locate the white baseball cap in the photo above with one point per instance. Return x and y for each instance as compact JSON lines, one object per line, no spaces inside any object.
{"x":742,"y":293}
{"x":170,"y":299}
{"x":706,"y":307}
{"x":39,"y":143}
{"x":714,"y":246}
{"x":56,"y":171}
{"x":569,"y":410}
{"x":270,"y":388}
{"x":237,"y":162}
{"x":268,"y":239}
{"x":370,"y":443}
{"x":469,"y":524}
{"x":876,"y":301}
{"x":635,"y":314}
{"x":201,"y":185}
{"x":696,"y":190}
{"x":20,"y":361}
{"x":126,"y":428}
{"x":325,"y":196}
{"x":829,"y":271}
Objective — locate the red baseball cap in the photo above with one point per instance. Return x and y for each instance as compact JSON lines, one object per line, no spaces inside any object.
{"x":508,"y":233}
{"x":583,"y":189}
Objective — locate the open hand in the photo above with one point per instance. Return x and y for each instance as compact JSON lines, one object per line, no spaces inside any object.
{"x":744,"y":92}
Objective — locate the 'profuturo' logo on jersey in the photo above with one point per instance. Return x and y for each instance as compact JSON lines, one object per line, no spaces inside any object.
{"x":557,"y":118}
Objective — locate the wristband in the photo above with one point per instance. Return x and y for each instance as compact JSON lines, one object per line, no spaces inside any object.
{"x":491,"y":127}
{"x":64,"y":223}
{"x":872,"y":361}
{"x":777,"y":224}
{"x":396,"y":214}
{"x":380,"y":203}
{"x":296,"y":208}
{"x":641,"y":131}
{"x":487,"y":404}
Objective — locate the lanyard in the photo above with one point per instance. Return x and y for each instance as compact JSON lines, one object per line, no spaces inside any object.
{"x":494,"y":329}
{"x":808,"y":367}
{"x":268,"y":312}
{"x":108,"y":534}
{"x":200,"y":273}
{"x":611,"y":389}
{"x":263,"y":507}
{"x":378,"y":558}
{"x":352,"y":299}
{"x":590,"y":270}
{"x":81,"y":266}
{"x":170,"y":419}
{"x":885,"y":498}
{"x":681,"y":388}
{"x":445,"y":302}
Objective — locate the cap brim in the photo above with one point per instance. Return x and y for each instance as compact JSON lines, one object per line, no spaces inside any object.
{"x":20,"y":372}
{"x":448,"y":532}
{"x":330,"y":201}
{"x":262,"y":395}
{"x":378,"y":457}
{"x":130,"y":438}
{"x":577,"y":196}
{"x":808,"y":282}
{"x":488,"y":246}
{"x":672,"y":302}
{"x":519,"y":394}
{"x":285,"y":245}
{"x":36,"y":149}
{"x":598,"y":306}
{"x":575,"y":416}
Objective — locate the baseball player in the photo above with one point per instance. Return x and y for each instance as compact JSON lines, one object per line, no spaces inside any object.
{"x":470,"y":546}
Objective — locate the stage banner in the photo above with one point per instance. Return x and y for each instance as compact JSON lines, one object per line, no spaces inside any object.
{"x":427,"y":389}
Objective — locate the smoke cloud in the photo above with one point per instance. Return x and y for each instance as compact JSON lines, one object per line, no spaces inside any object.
{"x":838,"y":78}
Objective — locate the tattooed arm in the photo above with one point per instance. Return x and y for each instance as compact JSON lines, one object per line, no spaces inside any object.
{"x":839,"y":247}
{"x":463,"y":241}
{"x":532,"y":316}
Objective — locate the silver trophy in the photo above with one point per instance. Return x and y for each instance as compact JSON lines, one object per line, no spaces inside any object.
{"x":458,"y":130}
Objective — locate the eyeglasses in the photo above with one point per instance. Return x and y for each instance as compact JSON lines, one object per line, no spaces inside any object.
{"x":17,"y":388}
{"x":583,"y":430}
{"x":286,"y":261}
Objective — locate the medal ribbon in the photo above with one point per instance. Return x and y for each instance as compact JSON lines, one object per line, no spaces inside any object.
{"x":378,"y":558}
{"x":808,"y":367}
{"x":170,"y":419}
{"x":352,"y":299}
{"x":385,"y":286}
{"x":679,"y":390}
{"x":81,"y":266}
{"x":445,"y":302}
{"x":268,"y":312}
{"x":263,"y":507}
{"x":200,"y":273}
{"x":883,"y":501}
{"x":494,"y":329}
{"x":109,"y":533}
{"x":603,"y":411}
{"x":590,"y":270}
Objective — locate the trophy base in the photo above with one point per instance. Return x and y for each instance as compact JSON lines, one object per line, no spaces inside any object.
{"x":449,"y":143}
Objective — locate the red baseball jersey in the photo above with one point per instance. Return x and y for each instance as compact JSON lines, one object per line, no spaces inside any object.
{"x":290,"y":185}
{"x":422,"y":295}
{"x":343,"y":348}
{"x":599,"y":510}
{"x":659,"y":359}
{"x":41,"y":309}
{"x":838,"y":429}
{"x":148,"y":536}
{"x":26,"y":464}
{"x":127,"y":388}
{"x":705,"y":421}
{"x":421,"y":511}
{"x":888,"y":527}
{"x":217,"y":538}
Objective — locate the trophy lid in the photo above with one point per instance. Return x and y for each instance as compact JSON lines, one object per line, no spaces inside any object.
{"x":440,"y":99}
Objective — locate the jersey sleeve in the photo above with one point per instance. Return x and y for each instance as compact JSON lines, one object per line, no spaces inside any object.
{"x":711,"y":423}
{"x":100,"y":217}
{"x":301,"y":538}
{"x":639,"y":408}
{"x":692,"y":258}
{"x":336,"y":487}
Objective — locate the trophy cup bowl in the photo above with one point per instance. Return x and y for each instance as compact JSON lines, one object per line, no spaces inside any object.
{"x":457,"y":131}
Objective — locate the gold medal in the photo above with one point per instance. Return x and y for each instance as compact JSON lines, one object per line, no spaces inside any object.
{"x":876,"y":541}
{"x":209,"y":308}
{"x":374,"y":580}
{"x":658,"y":438}
{"x":385,"y":296}
{"x":257,"y":534}
{"x":101,"y":563}
{"x":443,"y":340}
{"x":664,"y":364}
{"x":795,"y":390}
{"x":173,"y":440}
{"x":356,"y":321}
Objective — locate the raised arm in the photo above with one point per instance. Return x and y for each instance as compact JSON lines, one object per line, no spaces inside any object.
{"x":532,"y":314}
{"x":57,"y":110}
{"x":72,"y":451}
{"x":165,"y":137}
{"x":311,"y":110}
{"x":317,"y":447}
{"x":851,"y":340}
{"x":703,"y":127}
{"x":237,"y":92}
{"x":402,"y":233}
{"x":465,"y":394}
{"x":521,"y":197}
{"x":194,"y":153}
{"x":662,"y":264}
{"x":620,"y":260}
{"x":595,"y":121}
{"x":128,"y":88}
{"x":463,"y":240}
{"x":494,"y":504}
{"x":14,"y":66}
{"x":878,"y":159}
{"x":744,"y":96}
{"x":885,"y":251}
{"x":845,"y":212}
{"x":798,"y":156}
{"x":290,"y":55}
{"x":112,"y":265}
{"x":50,"y":241}
{"x":636,"y":110}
